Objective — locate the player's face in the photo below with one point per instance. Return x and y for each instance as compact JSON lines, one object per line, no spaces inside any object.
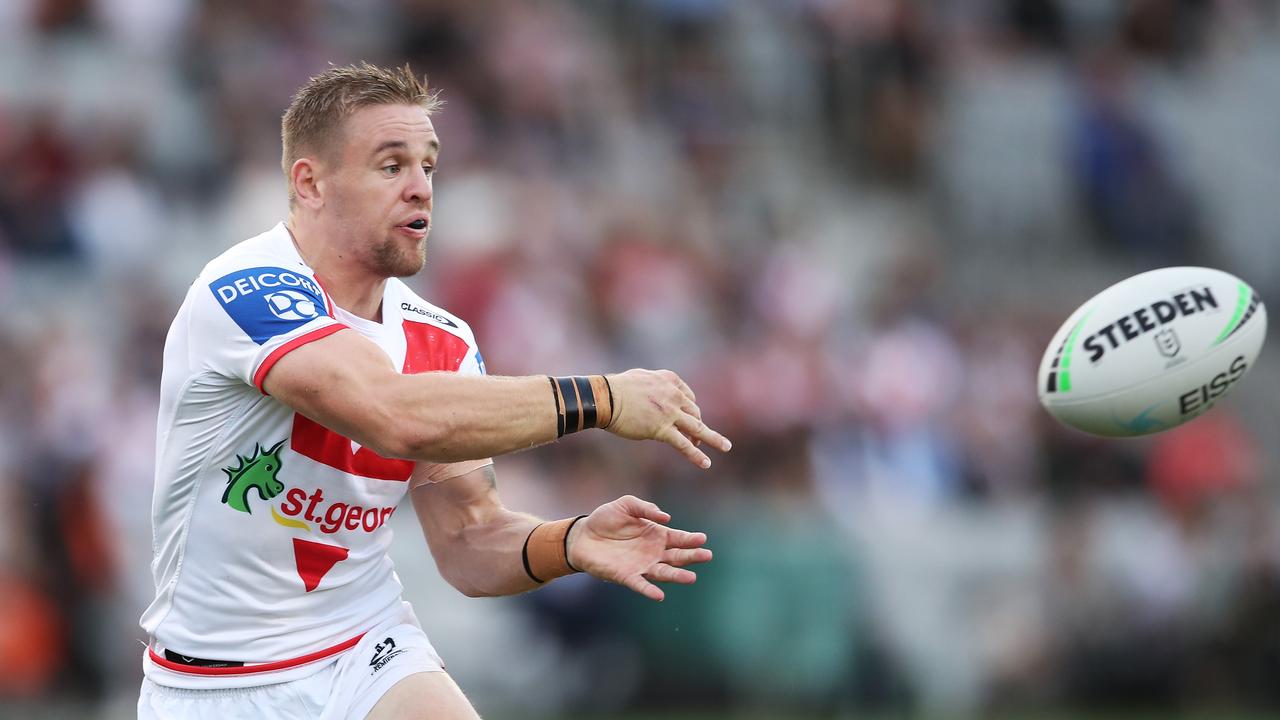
{"x":380,"y":191}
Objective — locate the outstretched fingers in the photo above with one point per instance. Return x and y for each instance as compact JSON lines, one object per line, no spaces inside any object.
{"x":635,"y":507}
{"x":662,"y":572}
{"x":696,"y":430}
{"x":685,"y":539}
{"x":639,"y":584}
{"x":681,"y":442}
{"x":679,"y":557}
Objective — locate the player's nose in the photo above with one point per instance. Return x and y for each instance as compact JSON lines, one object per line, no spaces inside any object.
{"x":418,"y":190}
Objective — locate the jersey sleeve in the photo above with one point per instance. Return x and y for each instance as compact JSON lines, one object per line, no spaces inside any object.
{"x":245,"y":320}
{"x":426,"y":473}
{"x":473,"y":363}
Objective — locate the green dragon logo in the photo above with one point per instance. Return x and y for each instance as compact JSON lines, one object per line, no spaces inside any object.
{"x":256,"y":472}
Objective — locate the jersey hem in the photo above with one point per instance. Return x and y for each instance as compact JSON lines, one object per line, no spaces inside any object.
{"x":256,"y":668}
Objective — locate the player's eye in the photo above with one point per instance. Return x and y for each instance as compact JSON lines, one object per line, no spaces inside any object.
{"x":392,"y":169}
{"x":429,"y":170}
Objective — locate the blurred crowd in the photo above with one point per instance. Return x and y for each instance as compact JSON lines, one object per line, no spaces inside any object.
{"x":852,"y":225}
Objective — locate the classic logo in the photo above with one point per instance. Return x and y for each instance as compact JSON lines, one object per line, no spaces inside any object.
{"x":427,"y":313}
{"x":1167,"y":342}
{"x":382,"y":654}
{"x":268,"y":301}
{"x":254,"y":473}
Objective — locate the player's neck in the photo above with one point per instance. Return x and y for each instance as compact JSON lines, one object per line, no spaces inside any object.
{"x":351,"y":287}
{"x":356,"y":292}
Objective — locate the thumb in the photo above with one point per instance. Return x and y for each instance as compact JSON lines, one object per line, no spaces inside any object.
{"x":635,"y":507}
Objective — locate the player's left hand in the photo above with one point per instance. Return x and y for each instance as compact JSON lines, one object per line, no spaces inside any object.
{"x":627,"y":542}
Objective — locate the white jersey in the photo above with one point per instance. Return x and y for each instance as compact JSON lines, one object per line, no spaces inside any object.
{"x":271,"y":537}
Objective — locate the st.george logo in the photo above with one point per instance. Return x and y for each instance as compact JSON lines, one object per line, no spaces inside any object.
{"x":257,"y":474}
{"x":291,"y":305}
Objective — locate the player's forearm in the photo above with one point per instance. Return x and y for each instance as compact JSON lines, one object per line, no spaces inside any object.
{"x":349,"y":385}
{"x":445,"y":417}
{"x":484,"y":559}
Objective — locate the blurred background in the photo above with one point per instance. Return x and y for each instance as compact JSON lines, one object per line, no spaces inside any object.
{"x":852,"y":225}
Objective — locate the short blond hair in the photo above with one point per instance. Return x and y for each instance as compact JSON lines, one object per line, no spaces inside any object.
{"x":319,"y":108}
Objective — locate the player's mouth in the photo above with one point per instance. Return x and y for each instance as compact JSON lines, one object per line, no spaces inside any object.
{"x":416,"y":227}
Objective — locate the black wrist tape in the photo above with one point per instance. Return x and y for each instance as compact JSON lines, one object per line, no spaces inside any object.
{"x":575,"y":404}
{"x":572,"y":405}
{"x":555,"y":396}
{"x":613,"y":409}
{"x":566,"y":543}
{"x":588,"y":397}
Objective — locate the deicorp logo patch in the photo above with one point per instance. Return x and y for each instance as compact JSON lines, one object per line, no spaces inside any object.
{"x":268,"y":301}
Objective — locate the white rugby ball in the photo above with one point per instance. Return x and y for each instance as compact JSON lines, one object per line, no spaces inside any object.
{"x":1152,"y":352}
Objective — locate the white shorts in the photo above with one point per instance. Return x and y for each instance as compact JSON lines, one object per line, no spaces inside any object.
{"x":345,"y":689}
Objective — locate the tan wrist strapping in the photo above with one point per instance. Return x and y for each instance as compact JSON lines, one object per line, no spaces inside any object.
{"x":546,"y":550}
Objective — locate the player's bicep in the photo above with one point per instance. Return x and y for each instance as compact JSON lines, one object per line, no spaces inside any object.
{"x":340,"y":381}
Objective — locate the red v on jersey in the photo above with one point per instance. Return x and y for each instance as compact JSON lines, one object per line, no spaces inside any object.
{"x":314,"y":560}
{"x":427,"y":349}
{"x":323,"y":445}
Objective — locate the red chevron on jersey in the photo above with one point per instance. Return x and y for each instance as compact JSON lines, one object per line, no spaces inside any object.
{"x":323,"y":445}
{"x":427,"y":348}
{"x":314,"y":560}
{"x":431,"y":348}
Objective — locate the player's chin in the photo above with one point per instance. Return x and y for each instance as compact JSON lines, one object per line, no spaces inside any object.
{"x":399,"y":259}
{"x":412,"y":263}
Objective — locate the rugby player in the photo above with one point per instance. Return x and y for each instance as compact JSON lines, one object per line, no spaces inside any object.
{"x":306,"y":390}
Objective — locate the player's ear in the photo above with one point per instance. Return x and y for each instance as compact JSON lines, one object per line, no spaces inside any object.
{"x":304,"y":177}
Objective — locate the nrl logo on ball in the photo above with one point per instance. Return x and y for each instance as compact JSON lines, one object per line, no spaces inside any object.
{"x":1169,"y":346}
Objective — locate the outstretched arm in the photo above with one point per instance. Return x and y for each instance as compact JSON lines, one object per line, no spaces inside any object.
{"x":347,"y":384}
{"x":477,"y":543}
{"x":474,"y":539}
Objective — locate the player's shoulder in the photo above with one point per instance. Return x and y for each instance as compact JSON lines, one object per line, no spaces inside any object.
{"x":413,"y":308}
{"x":270,"y":249}
{"x":265,"y":263}
{"x":261,"y":284}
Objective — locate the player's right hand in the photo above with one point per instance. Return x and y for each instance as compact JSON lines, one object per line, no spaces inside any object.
{"x":658,"y":405}
{"x":628,"y":542}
